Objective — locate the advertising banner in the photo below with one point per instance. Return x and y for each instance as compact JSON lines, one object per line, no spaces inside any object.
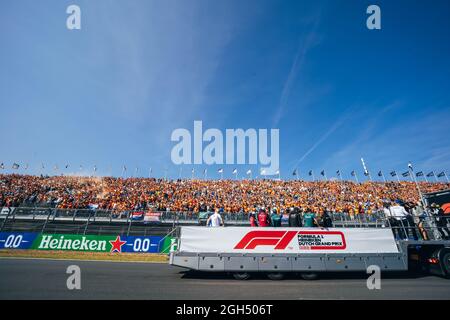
{"x":152,"y":217}
{"x":5,"y":210}
{"x":168,"y":245}
{"x":17,"y":240}
{"x":141,"y":244}
{"x":92,"y":243}
{"x":287,"y":240}
{"x":73,"y":242}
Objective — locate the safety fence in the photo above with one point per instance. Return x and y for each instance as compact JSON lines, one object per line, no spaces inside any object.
{"x":150,"y":223}
{"x":147,"y":216}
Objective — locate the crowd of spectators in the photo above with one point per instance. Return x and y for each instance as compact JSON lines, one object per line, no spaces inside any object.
{"x":205,"y":195}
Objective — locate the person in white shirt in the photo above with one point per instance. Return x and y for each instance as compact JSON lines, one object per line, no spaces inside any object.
{"x":397,"y":216}
{"x":215,"y":220}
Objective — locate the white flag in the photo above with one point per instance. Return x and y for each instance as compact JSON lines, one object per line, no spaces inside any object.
{"x":234,"y":171}
{"x":249,"y":171}
{"x":220,"y":170}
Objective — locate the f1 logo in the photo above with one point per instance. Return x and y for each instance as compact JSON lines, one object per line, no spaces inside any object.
{"x":279,"y":239}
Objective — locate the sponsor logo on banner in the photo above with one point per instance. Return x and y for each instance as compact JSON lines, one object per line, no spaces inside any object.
{"x":277,"y":239}
{"x":307,"y":240}
{"x":70,"y":242}
{"x":168,"y":245}
{"x":148,"y":244}
{"x":9,"y":240}
{"x":78,"y":243}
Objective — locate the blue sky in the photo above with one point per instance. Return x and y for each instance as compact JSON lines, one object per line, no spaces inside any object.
{"x":111,"y":93}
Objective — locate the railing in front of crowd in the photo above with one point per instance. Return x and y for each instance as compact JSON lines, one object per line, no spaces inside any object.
{"x":426,"y":227}
{"x":101,"y":215}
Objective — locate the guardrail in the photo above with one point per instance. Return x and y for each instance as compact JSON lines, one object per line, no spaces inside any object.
{"x":164,"y":216}
{"x":87,"y":221}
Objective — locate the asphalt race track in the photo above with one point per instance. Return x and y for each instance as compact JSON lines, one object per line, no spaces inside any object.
{"x":46,"y":279}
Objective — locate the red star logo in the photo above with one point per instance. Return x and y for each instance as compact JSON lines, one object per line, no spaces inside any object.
{"x":117,"y":245}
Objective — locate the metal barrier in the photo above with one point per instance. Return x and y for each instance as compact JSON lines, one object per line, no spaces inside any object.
{"x":87,"y":221}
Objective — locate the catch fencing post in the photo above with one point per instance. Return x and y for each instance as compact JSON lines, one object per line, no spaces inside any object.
{"x":45,"y":223}
{"x":87,"y":223}
{"x":6,"y":218}
{"x":129,"y":227}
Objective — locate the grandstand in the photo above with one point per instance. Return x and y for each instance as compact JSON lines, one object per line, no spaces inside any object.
{"x":88,"y":205}
{"x":234,"y":196}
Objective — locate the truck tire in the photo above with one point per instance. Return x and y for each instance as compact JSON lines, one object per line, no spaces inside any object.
{"x":309,"y":275}
{"x":241,"y":275}
{"x":275,"y":276}
{"x":444,"y":260}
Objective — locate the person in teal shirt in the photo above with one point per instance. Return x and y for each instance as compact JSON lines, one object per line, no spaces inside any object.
{"x":309,"y":219}
{"x":275,"y":218}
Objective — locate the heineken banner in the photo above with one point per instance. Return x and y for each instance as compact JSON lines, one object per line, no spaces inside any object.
{"x":71,"y":242}
{"x":78,"y":243}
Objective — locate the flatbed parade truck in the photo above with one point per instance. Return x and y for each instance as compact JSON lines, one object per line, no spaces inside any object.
{"x":308,"y":251}
{"x":311,"y":251}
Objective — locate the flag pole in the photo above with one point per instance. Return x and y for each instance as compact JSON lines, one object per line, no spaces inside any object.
{"x":356,"y":177}
{"x":417,"y":185}
{"x":445,"y":174}
{"x":434,"y":174}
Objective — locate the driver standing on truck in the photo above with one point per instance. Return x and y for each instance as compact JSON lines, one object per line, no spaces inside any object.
{"x":295,"y":219}
{"x":215,"y":220}
{"x":275,"y":218}
{"x":263,"y":218}
{"x":309,"y":219}
{"x":398,"y":217}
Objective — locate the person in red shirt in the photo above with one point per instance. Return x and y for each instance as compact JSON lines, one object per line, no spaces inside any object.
{"x":263,"y":218}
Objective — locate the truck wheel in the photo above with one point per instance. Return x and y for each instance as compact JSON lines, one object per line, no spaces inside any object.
{"x":241,"y":275}
{"x":309,"y":275}
{"x":275,"y":276}
{"x":444,"y":260}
